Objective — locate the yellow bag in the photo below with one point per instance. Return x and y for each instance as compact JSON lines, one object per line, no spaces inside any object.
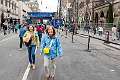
{"x":46,"y":51}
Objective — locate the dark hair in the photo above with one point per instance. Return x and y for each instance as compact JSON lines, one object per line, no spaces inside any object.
{"x":114,"y":25}
{"x":53,"y":31}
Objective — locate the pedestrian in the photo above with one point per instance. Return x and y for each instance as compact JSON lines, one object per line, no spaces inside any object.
{"x":51,"y":49}
{"x":32,"y":42}
{"x":5,"y":25}
{"x":40,"y":30}
{"x":21,"y":34}
{"x":118,"y":33}
{"x":17,"y":26}
{"x":100,"y":30}
{"x":94,"y":30}
{"x":114,"y":32}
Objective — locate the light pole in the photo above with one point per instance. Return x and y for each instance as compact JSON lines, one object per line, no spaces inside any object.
{"x":60,"y":9}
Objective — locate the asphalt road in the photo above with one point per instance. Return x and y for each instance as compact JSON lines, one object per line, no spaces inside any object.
{"x":12,"y":61}
{"x":102,"y":63}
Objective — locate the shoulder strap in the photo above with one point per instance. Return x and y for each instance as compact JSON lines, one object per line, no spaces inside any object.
{"x":51,"y":43}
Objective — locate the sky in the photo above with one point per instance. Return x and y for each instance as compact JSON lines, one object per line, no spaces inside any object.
{"x":48,"y":5}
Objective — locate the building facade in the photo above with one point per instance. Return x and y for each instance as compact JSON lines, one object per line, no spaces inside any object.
{"x":8,"y":8}
{"x":92,"y":10}
{"x":33,"y":5}
{"x":23,"y":9}
{"x":15,"y":9}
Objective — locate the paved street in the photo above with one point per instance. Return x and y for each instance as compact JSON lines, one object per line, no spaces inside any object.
{"x":102,"y":63}
{"x":12,"y":61}
{"x":101,"y":37}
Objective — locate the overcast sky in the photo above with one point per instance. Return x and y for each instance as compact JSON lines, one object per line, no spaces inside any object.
{"x":48,"y":5}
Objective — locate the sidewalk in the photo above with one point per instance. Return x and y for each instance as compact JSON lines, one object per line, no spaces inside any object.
{"x":78,"y":64}
{"x":2,"y":36}
{"x":103,"y":37}
{"x":100,"y":37}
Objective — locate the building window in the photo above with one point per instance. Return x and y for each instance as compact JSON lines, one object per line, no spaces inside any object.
{"x":12,"y":5}
{"x":9,"y":3}
{"x":1,"y":1}
{"x":6,"y":1}
{"x":15,"y":6}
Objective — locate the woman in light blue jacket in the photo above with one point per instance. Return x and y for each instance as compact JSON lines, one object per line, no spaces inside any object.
{"x":51,"y":48}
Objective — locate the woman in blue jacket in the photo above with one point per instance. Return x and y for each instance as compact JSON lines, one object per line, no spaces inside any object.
{"x":51,"y":48}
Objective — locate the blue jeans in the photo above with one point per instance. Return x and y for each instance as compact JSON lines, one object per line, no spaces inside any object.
{"x":31,"y":54}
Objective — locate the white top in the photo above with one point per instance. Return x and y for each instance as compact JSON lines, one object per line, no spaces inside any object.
{"x":114,"y":29}
{"x":100,"y":29}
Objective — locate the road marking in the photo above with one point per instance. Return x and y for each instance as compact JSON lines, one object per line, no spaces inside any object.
{"x":26,"y":73}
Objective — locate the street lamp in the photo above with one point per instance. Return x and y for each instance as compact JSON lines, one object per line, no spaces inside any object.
{"x":60,"y":9}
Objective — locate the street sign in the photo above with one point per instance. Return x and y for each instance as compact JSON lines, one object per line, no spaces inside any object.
{"x":41,"y":14}
{"x":57,"y":23}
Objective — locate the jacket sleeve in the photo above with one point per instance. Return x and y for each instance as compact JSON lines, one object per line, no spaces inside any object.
{"x":37,"y":40}
{"x":59,"y":48}
{"x":42,"y":44}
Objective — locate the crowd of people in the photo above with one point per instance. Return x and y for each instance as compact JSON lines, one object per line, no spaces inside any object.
{"x":114,"y":31}
{"x":10,"y":25}
{"x":43,"y":39}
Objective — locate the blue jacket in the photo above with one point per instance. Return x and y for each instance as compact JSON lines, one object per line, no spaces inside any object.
{"x":55,"y":50}
{"x":22,"y":32}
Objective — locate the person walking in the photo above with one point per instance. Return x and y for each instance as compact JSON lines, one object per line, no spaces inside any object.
{"x":40,"y":30}
{"x":118,"y":33}
{"x":5,"y":25}
{"x":31,"y":40}
{"x":21,"y":34}
{"x":114,"y":32}
{"x":17,"y":26}
{"x":100,"y":30}
{"x":51,"y":49}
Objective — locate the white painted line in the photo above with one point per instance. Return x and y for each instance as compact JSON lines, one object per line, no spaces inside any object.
{"x":26,"y":73}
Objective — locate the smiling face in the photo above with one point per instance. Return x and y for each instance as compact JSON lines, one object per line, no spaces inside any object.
{"x":50,"y":31}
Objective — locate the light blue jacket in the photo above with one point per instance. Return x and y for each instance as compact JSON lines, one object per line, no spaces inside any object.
{"x":55,"y":49}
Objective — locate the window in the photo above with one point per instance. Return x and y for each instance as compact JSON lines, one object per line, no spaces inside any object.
{"x":9,"y":3}
{"x":1,"y":1}
{"x":6,"y":2}
{"x":15,"y":6}
{"x":12,"y":5}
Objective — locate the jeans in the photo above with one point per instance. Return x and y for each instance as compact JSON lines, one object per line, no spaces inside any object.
{"x":21,"y":42}
{"x":100,"y":33}
{"x":4,"y":32}
{"x":31,"y":54}
{"x":40,"y":36}
{"x":118,"y":35}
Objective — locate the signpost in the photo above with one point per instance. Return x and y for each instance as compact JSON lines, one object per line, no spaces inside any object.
{"x":57,"y":23}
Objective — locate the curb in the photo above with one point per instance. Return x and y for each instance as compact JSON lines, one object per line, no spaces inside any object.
{"x":112,"y":46}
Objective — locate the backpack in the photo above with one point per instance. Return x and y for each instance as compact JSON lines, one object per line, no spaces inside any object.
{"x":28,"y":43}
